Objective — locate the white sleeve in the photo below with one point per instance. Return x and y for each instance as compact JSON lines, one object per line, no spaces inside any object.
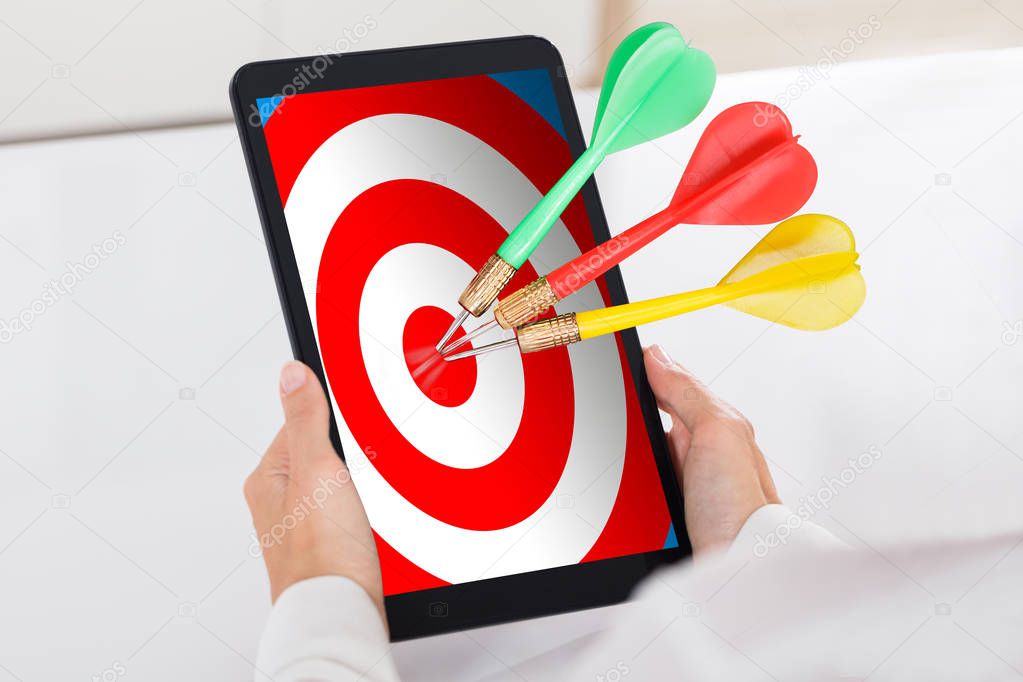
{"x":683,"y":620}
{"x":789,"y":601}
{"x":325,"y":629}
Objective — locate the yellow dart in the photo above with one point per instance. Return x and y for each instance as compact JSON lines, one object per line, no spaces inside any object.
{"x":802,"y":274}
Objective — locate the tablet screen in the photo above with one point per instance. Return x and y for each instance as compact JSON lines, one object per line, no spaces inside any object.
{"x":394,"y":195}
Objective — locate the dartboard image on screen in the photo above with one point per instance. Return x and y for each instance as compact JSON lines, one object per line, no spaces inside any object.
{"x":394,"y":196}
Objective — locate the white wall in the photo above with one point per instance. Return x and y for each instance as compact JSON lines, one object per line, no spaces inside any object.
{"x":743,"y":35}
{"x":73,"y":67}
{"x":78,"y":67}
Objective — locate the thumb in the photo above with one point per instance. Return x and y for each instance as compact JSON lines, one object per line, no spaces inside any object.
{"x":306,"y":415}
{"x":679,"y":392}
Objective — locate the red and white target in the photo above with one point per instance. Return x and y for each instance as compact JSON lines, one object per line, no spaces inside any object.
{"x":394,"y":196}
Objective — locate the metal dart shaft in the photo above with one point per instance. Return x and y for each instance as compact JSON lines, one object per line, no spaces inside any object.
{"x":478,"y":331}
{"x":480,"y":293}
{"x":452,"y":329}
{"x":481,"y":350}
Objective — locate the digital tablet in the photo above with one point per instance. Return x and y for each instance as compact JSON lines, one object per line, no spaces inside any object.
{"x":501,"y":487}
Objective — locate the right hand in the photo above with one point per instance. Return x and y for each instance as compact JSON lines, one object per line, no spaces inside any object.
{"x":722,"y":473}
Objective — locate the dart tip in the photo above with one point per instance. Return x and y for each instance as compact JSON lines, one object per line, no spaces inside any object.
{"x":461,"y":341}
{"x":455,"y":324}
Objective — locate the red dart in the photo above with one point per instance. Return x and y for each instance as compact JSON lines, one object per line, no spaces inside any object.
{"x":747,"y":169}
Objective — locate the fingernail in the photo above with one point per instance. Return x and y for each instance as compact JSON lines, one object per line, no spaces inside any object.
{"x":293,"y":376}
{"x":662,"y":356}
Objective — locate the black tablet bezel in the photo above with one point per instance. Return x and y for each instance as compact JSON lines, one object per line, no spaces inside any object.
{"x":494,"y":600}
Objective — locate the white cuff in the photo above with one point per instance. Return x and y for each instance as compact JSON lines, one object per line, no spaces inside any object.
{"x":774,"y":526}
{"x":325,"y":628}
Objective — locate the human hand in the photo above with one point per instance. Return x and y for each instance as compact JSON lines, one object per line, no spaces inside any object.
{"x":306,"y":511}
{"x":722,"y":473}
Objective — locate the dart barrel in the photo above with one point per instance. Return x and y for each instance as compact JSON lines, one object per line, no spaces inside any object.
{"x":486,"y":285}
{"x":546,"y":334}
{"x":526,"y":304}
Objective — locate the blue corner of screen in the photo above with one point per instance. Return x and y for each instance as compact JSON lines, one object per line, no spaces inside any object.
{"x":533,"y":86}
{"x":267,"y":106}
{"x":670,"y":541}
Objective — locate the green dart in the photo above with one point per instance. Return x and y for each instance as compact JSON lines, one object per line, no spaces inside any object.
{"x":654,"y":85}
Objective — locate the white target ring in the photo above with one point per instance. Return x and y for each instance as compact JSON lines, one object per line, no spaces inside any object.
{"x":494,"y":409}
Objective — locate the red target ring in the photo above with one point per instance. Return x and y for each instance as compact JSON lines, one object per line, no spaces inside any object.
{"x":490,"y":497}
{"x":449,"y":384}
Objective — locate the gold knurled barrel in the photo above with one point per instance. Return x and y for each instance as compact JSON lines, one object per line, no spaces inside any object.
{"x":486,"y":285}
{"x":526,"y":304}
{"x":550,"y":333}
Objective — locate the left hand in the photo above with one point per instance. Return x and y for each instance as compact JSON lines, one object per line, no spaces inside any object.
{"x":308,"y":516}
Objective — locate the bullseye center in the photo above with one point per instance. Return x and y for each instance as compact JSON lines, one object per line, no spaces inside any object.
{"x":448,"y":384}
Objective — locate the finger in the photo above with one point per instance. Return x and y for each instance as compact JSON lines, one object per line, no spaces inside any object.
{"x":679,"y":438}
{"x":306,"y":415}
{"x":679,"y":392}
{"x":766,"y":480}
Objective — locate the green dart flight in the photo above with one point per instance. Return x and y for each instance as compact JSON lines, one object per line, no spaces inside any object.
{"x":655,"y":84}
